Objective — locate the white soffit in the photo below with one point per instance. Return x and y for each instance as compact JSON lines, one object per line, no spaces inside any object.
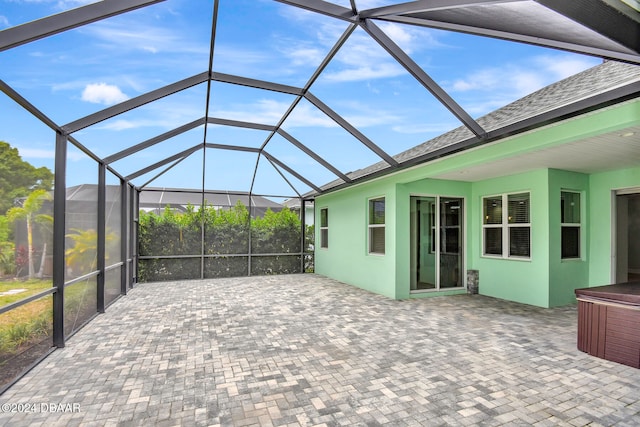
{"x":615,"y":150}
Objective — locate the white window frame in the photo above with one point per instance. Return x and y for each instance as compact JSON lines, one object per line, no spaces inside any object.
{"x":370,"y":226}
{"x":577,"y":225}
{"x":505,"y":227}
{"x":324,"y":244}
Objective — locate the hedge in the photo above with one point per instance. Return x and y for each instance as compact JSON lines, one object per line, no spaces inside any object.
{"x":227,"y":235}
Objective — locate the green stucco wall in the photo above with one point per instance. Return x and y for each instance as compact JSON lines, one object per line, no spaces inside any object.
{"x":347,"y":259}
{"x":601,"y":188}
{"x":517,"y":280}
{"x":567,"y":275}
{"x":544,"y":280}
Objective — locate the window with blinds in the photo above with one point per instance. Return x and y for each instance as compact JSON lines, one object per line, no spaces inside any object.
{"x":506,"y":232}
{"x":570,"y":224}
{"x":376,"y":226}
{"x":324,"y":228}
{"x":519,"y":226}
{"x":492,"y":225}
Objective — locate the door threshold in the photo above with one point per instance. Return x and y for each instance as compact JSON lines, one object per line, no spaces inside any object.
{"x":424,"y":291}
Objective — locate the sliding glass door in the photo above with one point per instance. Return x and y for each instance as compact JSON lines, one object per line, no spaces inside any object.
{"x":436,"y":242}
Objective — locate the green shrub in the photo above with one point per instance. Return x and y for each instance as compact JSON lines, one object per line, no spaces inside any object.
{"x":7,"y":259}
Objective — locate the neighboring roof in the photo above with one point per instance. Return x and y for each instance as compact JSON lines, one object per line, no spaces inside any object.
{"x":161,"y":197}
{"x":89,"y":193}
{"x":295,"y":203}
{"x":603,"y":78}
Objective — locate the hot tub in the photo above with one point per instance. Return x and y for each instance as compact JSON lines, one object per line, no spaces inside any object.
{"x":609,"y":322}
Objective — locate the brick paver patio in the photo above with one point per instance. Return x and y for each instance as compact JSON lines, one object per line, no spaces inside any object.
{"x":303,"y":350}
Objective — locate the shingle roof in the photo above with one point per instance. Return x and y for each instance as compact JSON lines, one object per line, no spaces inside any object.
{"x":161,"y":197}
{"x":599,"y":79}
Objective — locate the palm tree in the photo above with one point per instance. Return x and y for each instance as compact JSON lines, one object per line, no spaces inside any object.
{"x":29,"y":212}
{"x":82,"y":256}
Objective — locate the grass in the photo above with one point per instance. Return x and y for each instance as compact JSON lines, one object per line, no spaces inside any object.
{"x":32,"y":287}
{"x":27,"y":322}
{"x":25,"y":335}
{"x":25,"y":331}
{"x":32,"y":321}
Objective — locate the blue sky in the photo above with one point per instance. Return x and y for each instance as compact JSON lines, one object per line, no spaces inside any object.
{"x":79,"y":72}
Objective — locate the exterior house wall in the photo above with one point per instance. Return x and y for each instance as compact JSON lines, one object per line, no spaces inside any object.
{"x":347,"y":258}
{"x":602,"y":185}
{"x":545,"y":279}
{"x":569,"y":274}
{"x":514,"y":279}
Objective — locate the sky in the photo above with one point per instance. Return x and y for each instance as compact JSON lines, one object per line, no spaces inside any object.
{"x":84,"y":70}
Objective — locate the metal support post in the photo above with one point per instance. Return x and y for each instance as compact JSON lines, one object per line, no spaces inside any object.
{"x":303,"y":238}
{"x":101,"y":252}
{"x":59,"y":222}
{"x":136,"y":232}
{"x":249,"y":231}
{"x":124,"y":236}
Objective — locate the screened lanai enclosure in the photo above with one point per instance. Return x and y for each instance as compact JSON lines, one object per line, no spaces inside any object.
{"x":171,"y":140}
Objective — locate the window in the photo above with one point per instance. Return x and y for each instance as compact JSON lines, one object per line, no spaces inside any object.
{"x":376,"y":226}
{"x":324,"y":228}
{"x":492,"y":227}
{"x":570,"y":224}
{"x":506,"y":232}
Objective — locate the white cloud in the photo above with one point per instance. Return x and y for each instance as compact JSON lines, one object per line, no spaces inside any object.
{"x":4,"y":22}
{"x":565,"y":66}
{"x":155,"y":115}
{"x":269,"y":112}
{"x":411,"y":39}
{"x":39,"y":153}
{"x":68,"y":4}
{"x":102,"y":93}
{"x":60,"y":4}
{"x":518,"y":80}
{"x":307,"y":116}
{"x":361,"y":58}
{"x":370,"y":4}
{"x":122,"y":124}
{"x":365,"y":72}
{"x":138,"y":123}
{"x":305,"y":56}
{"x":522,"y":78}
{"x":238,"y":57}
{"x":362,"y":115}
{"x":402,"y":36}
{"x":127,"y":36}
{"x":494,"y":87}
{"x":438,"y":128}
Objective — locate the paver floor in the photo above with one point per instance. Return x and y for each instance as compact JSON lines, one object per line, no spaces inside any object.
{"x":303,"y":350}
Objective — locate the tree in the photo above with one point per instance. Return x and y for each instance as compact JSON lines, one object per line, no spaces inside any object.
{"x":7,"y":248}
{"x":29,"y":212}
{"x":82,"y":257}
{"x":19,"y":178}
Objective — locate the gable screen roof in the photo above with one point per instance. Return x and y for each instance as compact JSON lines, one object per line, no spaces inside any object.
{"x":213,"y":139}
